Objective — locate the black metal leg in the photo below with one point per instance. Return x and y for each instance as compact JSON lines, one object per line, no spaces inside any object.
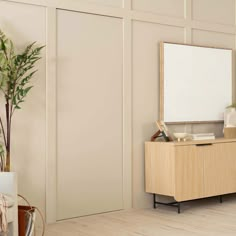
{"x":178,"y":207}
{"x":154,"y":200}
{"x":176,"y":204}
{"x":172,"y":204}
{"x":221,"y":200}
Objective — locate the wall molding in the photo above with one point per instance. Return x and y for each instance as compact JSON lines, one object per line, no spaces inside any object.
{"x":128,"y":12}
{"x":51,"y":116}
{"x":127,"y":108}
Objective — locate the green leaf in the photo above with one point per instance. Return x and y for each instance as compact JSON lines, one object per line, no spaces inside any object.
{"x":2,"y":45}
{"x":17,"y":70}
{"x":27,"y":90}
{"x":17,"y":107}
{"x":21,"y":92}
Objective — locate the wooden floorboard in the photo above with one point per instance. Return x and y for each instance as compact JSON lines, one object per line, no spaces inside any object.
{"x":203,"y":217}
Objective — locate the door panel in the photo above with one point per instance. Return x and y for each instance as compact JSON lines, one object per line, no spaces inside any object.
{"x":89,"y":114}
{"x":220,"y":169}
{"x":189,"y":172}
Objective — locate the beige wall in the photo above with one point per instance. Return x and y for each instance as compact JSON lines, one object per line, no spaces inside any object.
{"x":145,"y":24}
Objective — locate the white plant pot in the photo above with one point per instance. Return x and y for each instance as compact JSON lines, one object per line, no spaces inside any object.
{"x":8,"y":185}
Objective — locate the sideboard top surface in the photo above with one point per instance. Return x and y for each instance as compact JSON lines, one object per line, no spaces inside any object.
{"x":191,"y":142}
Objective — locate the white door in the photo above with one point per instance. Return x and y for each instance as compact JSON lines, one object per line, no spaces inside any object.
{"x":89,"y":114}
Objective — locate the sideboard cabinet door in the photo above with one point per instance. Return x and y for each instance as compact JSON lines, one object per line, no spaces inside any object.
{"x":189,"y":183}
{"x":220,"y":169}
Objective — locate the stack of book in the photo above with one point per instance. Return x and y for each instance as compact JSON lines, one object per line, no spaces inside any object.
{"x":203,"y":136}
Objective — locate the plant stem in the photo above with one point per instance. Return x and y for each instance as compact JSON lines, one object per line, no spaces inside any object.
{"x":3,"y":132}
{"x":2,"y":163}
{"x":7,"y":166}
{"x":8,"y":147}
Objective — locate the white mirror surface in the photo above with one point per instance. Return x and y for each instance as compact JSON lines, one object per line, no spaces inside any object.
{"x":196,"y":83}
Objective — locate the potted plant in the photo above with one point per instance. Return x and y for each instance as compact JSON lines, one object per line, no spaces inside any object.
{"x":16,"y":73}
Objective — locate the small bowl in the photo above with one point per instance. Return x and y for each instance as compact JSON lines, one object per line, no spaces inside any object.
{"x":180,"y":136}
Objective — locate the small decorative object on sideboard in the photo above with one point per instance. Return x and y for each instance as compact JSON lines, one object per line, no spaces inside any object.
{"x":162,"y":132}
{"x":230,"y":121}
{"x":230,"y":132}
{"x":203,"y":136}
{"x":181,"y":136}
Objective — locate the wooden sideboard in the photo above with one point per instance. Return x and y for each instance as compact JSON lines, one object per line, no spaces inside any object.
{"x":191,"y":170}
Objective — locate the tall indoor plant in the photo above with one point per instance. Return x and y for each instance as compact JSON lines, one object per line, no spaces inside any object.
{"x":16,"y":73}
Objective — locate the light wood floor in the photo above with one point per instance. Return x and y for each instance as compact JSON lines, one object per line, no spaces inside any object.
{"x":202,"y":217}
